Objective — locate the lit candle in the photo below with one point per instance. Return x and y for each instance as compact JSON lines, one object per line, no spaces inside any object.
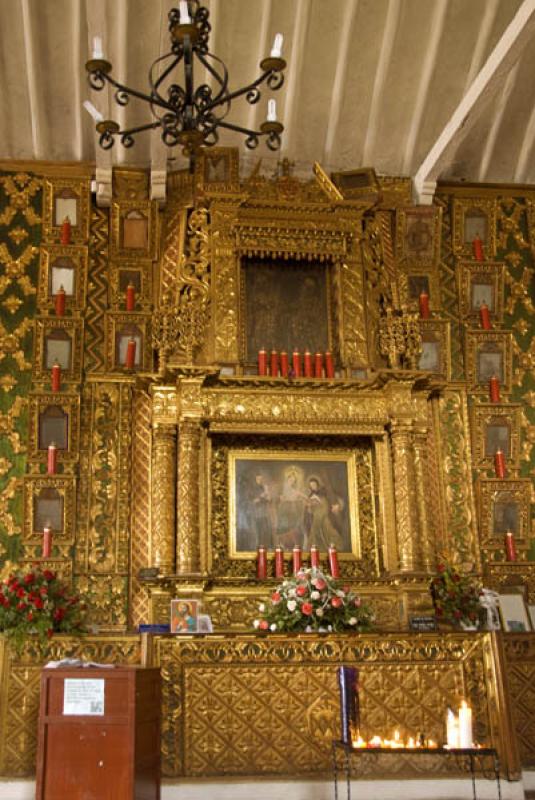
{"x":94,"y":112}
{"x":296,"y":559}
{"x":307,"y":360}
{"x":510,"y":546}
{"x":274,"y":364}
{"x":284,"y":363}
{"x":262,"y":362}
{"x":358,"y":742}
{"x":279,"y":562}
{"x":272,"y":111}
{"x":484,"y":317}
{"x":477,"y":246}
{"x":130,"y":297}
{"x":452,"y":729}
{"x":65,"y":231}
{"x":296,"y":363}
{"x":185,"y":18}
{"x":131,"y":354}
{"x":56,"y":377}
{"x":423,"y":302}
{"x":465,"y":725}
{"x":98,"y":53}
{"x":494,"y":389}
{"x":329,"y":365}
{"x":47,"y":541}
{"x":314,"y":556}
{"x":52,"y":459}
{"x":499,"y":464}
{"x":276,"y":50}
{"x":261,"y":563}
{"x":59,"y":302}
{"x":333,"y":562}
{"x":318,"y":365}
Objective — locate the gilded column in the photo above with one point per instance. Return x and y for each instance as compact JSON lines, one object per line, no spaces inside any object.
{"x":187,"y":543}
{"x":409,"y":551}
{"x":163,"y":496}
{"x":421,"y":471}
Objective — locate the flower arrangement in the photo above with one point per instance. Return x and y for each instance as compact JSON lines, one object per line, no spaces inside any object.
{"x":456,"y":597}
{"x":312,"y":601}
{"x":36,"y":603}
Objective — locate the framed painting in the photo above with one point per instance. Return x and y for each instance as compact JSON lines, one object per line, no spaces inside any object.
{"x":418,"y":234}
{"x":513,"y":613}
{"x":184,"y":616}
{"x":504,"y":506}
{"x":488,"y":353}
{"x":285,"y":499}
{"x":435,"y":355}
{"x":496,"y":426}
{"x":473,"y":216}
{"x":481,"y":283}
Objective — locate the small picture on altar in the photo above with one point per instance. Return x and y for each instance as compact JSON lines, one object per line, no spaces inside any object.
{"x":481,"y":293}
{"x":489,"y":363}
{"x":430,"y":356}
{"x":513,"y":613}
{"x":497,"y":437}
{"x":505,"y":517}
{"x":285,"y":500}
{"x":475,"y":224}
{"x":184,"y":616}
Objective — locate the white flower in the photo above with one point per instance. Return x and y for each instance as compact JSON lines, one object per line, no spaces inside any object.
{"x":340,"y":593}
{"x":353,"y":621}
{"x":308,"y":629}
{"x":291,"y":592}
{"x":256,"y":623}
{"x":291,"y":605}
{"x":262,"y":607}
{"x":329,"y":627}
{"x":319,"y":612}
{"x":285,"y":583}
{"x":315,"y":595}
{"x":273,"y":626}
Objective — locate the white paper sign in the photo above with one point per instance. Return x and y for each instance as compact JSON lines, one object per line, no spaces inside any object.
{"x":83,"y":696}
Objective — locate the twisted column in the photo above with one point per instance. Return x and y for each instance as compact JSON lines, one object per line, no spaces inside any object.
{"x":163,"y":497}
{"x":187,"y":542}
{"x":407,"y":529}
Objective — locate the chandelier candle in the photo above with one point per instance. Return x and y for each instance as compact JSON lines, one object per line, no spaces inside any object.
{"x":52,"y":459}
{"x":329,"y":365}
{"x":510,"y":546}
{"x":477,"y":247}
{"x":59,"y":302}
{"x":276,"y":50}
{"x":423,"y":302}
{"x":274,"y":364}
{"x":314,"y":556}
{"x":333,"y":562}
{"x":296,"y":559}
{"x":98,"y":53}
{"x":130,"y":297}
{"x":484,"y":317}
{"x":131,"y":354}
{"x":494,"y":389}
{"x":262,"y":362}
{"x":284,"y":364}
{"x":499,"y":463}
{"x":296,"y":363}
{"x":261,"y":563}
{"x":318,"y":365}
{"x":307,"y":361}
{"x":47,"y":542}
{"x":65,"y":235}
{"x":56,"y":377}
{"x":279,"y":562}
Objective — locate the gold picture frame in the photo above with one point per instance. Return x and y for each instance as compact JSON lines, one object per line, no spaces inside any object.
{"x":141,"y":271}
{"x":70,"y":406}
{"x":66,"y":326}
{"x":122,"y":212}
{"x":115,"y":322}
{"x":435,"y":356}
{"x":65,"y":487}
{"x":504,"y":505}
{"x":487,"y":419}
{"x":488,"y":353}
{"x":80,"y":190}
{"x":481,"y":281}
{"x":283,"y":498}
{"x":52,"y":254}
{"x":217,"y":170}
{"x":414,"y":281}
{"x":418,"y":235}
{"x":471,"y":216}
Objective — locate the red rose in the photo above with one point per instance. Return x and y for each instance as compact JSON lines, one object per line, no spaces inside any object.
{"x":48,"y":575}
{"x":29,"y":578}
{"x":264,"y":625}
{"x":43,"y":590}
{"x":59,"y":613}
{"x":30,"y":616}
{"x":346,"y":588}
{"x":275,"y":597}
{"x":21,"y":592}
{"x":21,"y":606}
{"x":13,"y":586}
{"x":301,"y":591}
{"x":336,"y":602}
{"x":307,"y":609}
{"x":38,"y":603}
{"x":320,"y":584}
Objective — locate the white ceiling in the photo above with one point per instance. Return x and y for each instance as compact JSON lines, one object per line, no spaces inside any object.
{"x":368,"y":82}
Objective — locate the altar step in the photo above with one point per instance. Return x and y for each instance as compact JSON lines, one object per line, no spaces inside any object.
{"x":257,"y":789}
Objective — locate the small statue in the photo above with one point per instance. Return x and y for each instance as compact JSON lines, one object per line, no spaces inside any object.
{"x":489,"y":601}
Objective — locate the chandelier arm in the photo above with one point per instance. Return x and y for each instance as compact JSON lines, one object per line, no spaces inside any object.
{"x":149,"y":126}
{"x":158,"y":100}
{"x":222,"y":81}
{"x":165,"y":73}
{"x":239,"y":92}
{"x":231,"y":127}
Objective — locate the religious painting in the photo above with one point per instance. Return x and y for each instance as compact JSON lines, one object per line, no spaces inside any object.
{"x":488,"y":354}
{"x":66,"y":207}
{"x":48,"y":502}
{"x":292,"y":499}
{"x":58,"y":339}
{"x":429,"y":360}
{"x":418,"y":234}
{"x":513,"y":613}
{"x":184,"y":616}
{"x":495,"y":426}
{"x":417,"y":285}
{"x":505,"y":516}
{"x":66,"y":197}
{"x":504,"y":505}
{"x":435,"y":356}
{"x":476,"y":223}
{"x":481,"y":283}
{"x":133,"y":228}
{"x":414,"y":281}
{"x":474,"y":217}
{"x":54,"y":419}
{"x":286,"y":307}
{"x":62,"y":266}
{"x":121,"y":330}
{"x":489,"y":363}
{"x":217,"y":168}
{"x":131,"y":272}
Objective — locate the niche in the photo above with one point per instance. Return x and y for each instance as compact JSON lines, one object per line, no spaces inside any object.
{"x":62,"y":274}
{"x":66,"y":205}
{"x":135,"y":230}
{"x":48,"y":510}
{"x":58,"y":347}
{"x":122,"y":337}
{"x":53,"y":428}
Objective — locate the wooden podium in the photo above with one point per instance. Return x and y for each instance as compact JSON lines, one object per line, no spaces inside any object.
{"x":99,"y":734}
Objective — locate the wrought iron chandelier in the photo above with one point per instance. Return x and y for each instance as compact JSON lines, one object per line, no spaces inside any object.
{"x":188,"y":116}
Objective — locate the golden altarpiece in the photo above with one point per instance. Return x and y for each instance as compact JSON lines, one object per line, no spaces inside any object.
{"x":146,"y":494}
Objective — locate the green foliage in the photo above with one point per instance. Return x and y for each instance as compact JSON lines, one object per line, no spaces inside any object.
{"x":455,"y":597}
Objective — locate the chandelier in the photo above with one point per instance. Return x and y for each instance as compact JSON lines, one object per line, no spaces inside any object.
{"x":188,"y":116}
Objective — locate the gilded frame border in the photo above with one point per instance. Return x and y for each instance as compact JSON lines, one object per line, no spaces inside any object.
{"x":141,"y":320}
{"x":497,"y":342}
{"x":438,"y":330}
{"x":74,"y":327}
{"x":144,"y":298}
{"x":461,"y":205}
{"x":431,"y":273}
{"x":80,"y":231}
{"x":66,"y":486}
{"x":484,"y":413}
{"x":70,"y":404}
{"x":468,"y":270}
{"x":79,"y":256}
{"x":119,"y":210}
{"x":231,"y":158}
{"x":404,"y":254}
{"x":489,"y":490}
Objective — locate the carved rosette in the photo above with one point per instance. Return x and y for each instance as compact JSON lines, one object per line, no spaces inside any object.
{"x":163,"y":496}
{"x":187,"y":542}
{"x":409,"y":552}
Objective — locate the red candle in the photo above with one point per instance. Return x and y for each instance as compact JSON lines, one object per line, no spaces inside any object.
{"x":484,"y":316}
{"x":274,"y":364}
{"x":296,"y":364}
{"x":52,"y":459}
{"x":59,"y":302}
{"x":130,"y":297}
{"x":423,"y":302}
{"x":47,"y":542}
{"x":314,"y":557}
{"x":333,"y":562}
{"x":307,"y":361}
{"x":296,"y":559}
{"x":65,"y":237}
{"x":499,"y":464}
{"x":510,"y":547}
{"x":329,"y":365}
{"x":262,"y":362}
{"x":56,"y":377}
{"x":477,"y":246}
{"x":284,"y":363}
{"x":318,"y":365}
{"x":279,"y":562}
{"x":494,"y":389}
{"x":261,"y":563}
{"x":131,"y":354}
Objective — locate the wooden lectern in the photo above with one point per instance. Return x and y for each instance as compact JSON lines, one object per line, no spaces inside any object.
{"x":99,"y":734}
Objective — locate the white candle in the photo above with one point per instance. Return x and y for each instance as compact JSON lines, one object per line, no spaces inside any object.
{"x":95,"y":113}
{"x":452,"y":729}
{"x":185,"y":18}
{"x":465,"y":725}
{"x":276,"y":50}
{"x":272,"y":111}
{"x":98,"y":53}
